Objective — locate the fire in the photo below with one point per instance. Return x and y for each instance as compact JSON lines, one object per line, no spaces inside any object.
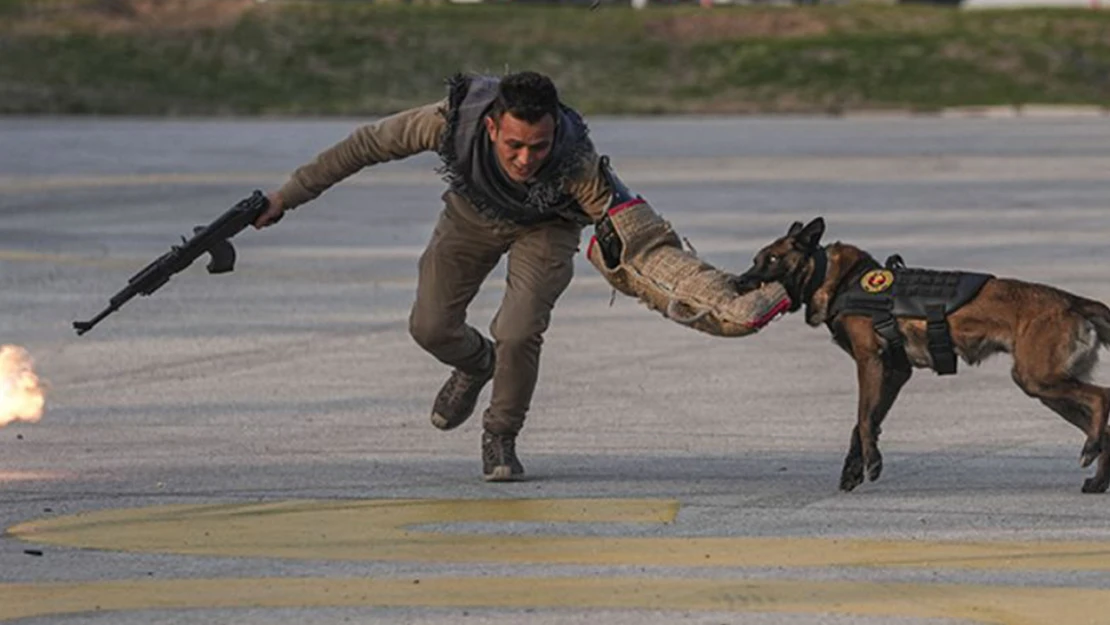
{"x":21,"y":394}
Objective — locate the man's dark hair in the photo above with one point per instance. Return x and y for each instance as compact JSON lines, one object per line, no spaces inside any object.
{"x":528,"y":96}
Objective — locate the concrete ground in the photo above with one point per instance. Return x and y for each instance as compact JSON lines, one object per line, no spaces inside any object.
{"x":255,"y":447}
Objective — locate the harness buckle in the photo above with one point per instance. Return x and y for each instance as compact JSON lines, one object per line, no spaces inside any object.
{"x":886,"y":326}
{"x":894,"y":261}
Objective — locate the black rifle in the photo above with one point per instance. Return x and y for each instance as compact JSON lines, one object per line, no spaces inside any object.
{"x":211,"y":239}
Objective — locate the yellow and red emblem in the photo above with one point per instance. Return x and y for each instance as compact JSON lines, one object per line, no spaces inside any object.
{"x":877,"y":280}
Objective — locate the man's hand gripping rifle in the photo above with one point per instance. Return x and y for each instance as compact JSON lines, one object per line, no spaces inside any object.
{"x":212,"y":239}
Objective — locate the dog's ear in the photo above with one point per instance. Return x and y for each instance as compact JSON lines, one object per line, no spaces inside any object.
{"x":794,"y":228}
{"x":809,"y":236}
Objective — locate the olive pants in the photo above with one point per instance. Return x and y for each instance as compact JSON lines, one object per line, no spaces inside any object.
{"x":465,"y":247}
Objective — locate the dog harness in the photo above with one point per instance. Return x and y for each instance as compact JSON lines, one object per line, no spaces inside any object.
{"x":887,"y":292}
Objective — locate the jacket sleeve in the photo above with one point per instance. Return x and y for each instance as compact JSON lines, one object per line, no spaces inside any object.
{"x":591,"y":188}
{"x":392,"y":138}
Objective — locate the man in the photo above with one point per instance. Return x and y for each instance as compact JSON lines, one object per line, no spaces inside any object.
{"x":524,"y":179}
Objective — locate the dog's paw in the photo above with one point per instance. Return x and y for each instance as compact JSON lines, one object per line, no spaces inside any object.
{"x":852,"y":475}
{"x":1096,"y":485}
{"x":1091,"y":451}
{"x":875,"y":467}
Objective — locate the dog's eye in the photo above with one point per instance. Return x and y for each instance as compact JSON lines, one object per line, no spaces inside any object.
{"x":772,"y":259}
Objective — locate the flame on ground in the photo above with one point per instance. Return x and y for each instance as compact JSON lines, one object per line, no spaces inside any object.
{"x":21,"y":394}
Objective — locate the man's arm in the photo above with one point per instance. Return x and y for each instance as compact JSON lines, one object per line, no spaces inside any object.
{"x":640,"y":254}
{"x":391,"y":138}
{"x":592,"y":188}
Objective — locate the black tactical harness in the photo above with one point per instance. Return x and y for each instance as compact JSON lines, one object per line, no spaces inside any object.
{"x":894,"y":291}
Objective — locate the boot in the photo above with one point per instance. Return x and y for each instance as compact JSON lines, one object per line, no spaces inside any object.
{"x":458,"y":397}
{"x":499,"y":461}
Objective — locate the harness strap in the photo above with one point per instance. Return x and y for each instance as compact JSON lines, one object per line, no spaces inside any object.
{"x":820,"y":269}
{"x":939,"y":340}
{"x":886,"y":326}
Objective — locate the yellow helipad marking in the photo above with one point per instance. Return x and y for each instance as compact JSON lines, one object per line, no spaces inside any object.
{"x":380,"y":530}
{"x":974,"y":603}
{"x":387,"y":530}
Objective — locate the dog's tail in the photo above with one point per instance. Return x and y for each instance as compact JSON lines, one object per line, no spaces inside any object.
{"x":1099,"y":316}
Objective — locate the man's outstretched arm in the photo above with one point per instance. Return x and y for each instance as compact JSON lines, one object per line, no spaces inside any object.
{"x":640,"y":255}
{"x":391,"y":138}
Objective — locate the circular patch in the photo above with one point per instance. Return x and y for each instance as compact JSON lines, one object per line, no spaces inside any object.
{"x":877,"y":280}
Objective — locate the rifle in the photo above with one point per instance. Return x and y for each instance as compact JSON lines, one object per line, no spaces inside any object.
{"x":211,"y":239}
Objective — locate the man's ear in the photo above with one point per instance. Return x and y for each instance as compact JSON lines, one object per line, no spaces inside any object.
{"x":491,"y":127}
{"x":809,"y":237}
{"x":794,"y":228}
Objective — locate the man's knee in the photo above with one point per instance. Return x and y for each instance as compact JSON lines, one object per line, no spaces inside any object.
{"x":519,"y":330}
{"x":430,"y":329}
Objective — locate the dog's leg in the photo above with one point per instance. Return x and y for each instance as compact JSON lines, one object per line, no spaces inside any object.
{"x":851,"y":475}
{"x":1101,"y":418}
{"x":879,"y":385}
{"x":1050,"y":364}
{"x":1078,"y":412}
{"x":1081,"y":404}
{"x":1077,"y":402}
{"x":1097,"y":402}
{"x":893,"y":381}
{"x":1078,"y":416}
{"x":1043,"y":368}
{"x":1101,"y":479}
{"x":863,"y":455}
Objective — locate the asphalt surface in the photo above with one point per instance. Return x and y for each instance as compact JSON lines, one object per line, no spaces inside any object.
{"x":282,"y":410}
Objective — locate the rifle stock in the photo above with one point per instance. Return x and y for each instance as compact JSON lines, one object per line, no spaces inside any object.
{"x":212,"y":239}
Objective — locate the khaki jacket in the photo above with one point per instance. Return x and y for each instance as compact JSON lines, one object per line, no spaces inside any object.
{"x":405,"y":134}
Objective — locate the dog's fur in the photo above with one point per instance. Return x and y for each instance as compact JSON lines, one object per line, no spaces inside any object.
{"x":1052,"y":335}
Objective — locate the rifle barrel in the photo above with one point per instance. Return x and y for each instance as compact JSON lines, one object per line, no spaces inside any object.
{"x":84,"y":326}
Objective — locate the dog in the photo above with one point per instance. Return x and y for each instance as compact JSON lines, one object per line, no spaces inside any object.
{"x":1052,"y":335}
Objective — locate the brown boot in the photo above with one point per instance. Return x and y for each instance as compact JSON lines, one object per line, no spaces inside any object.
{"x":499,"y":461}
{"x":458,"y":397}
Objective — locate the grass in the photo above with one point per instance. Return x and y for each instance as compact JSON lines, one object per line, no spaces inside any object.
{"x":326,"y":58}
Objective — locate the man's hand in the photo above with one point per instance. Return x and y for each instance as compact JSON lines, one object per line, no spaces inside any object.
{"x":272,"y":213}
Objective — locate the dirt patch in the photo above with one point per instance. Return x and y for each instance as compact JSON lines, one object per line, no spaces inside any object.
{"x":718,"y":25}
{"x":124,"y":16}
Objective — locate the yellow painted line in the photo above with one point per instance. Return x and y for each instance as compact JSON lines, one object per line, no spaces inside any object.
{"x":974,"y":603}
{"x":386,"y":530}
{"x":389,"y":530}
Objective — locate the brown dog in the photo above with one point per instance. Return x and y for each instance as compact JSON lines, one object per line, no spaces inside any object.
{"x":875,"y":314}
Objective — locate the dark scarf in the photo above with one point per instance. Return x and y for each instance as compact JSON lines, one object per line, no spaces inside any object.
{"x":471,"y":169}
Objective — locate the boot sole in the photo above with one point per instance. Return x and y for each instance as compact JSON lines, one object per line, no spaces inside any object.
{"x":441,"y":422}
{"x":503,"y":474}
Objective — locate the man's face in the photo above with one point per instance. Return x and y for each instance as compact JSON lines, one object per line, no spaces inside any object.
{"x":521,"y":147}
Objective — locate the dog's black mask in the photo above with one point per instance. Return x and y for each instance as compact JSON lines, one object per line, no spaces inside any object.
{"x":788,"y":261}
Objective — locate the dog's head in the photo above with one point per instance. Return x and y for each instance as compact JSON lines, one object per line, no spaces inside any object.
{"x":788,"y":261}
